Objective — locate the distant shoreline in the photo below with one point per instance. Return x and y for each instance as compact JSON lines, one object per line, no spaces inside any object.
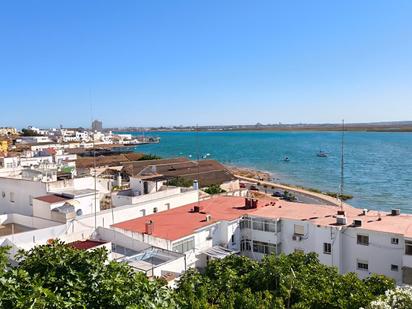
{"x":284,"y":129}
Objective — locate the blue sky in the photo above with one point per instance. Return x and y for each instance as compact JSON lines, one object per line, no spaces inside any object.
{"x":149,"y":63}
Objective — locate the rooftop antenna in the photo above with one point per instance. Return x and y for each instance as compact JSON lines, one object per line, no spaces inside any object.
{"x":198,"y":167}
{"x":342,"y":162}
{"x":94,"y":164}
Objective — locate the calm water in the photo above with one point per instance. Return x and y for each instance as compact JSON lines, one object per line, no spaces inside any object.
{"x":378,"y":166}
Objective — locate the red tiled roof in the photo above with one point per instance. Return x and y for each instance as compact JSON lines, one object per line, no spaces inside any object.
{"x":51,"y":198}
{"x":86,"y":244}
{"x":181,"y":221}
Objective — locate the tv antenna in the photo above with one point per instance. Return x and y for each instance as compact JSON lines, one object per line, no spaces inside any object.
{"x":342,"y":163}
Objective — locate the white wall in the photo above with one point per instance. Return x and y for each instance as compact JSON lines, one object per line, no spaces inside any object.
{"x":23,"y":191}
{"x":121,"y":200}
{"x":379,"y":254}
{"x":138,"y":184}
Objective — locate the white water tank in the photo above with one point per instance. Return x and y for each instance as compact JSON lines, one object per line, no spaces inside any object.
{"x":195,"y":185}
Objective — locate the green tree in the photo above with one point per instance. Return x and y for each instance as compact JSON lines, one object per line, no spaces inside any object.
{"x":180,"y":182}
{"x":58,"y":276}
{"x":150,"y":156}
{"x":214,"y":189}
{"x":28,"y":132}
{"x":284,"y":281}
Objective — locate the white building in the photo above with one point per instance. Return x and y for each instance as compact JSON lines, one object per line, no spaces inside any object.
{"x":353,"y":240}
{"x":17,"y":193}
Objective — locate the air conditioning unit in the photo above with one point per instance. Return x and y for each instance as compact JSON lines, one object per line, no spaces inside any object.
{"x":341,"y":220}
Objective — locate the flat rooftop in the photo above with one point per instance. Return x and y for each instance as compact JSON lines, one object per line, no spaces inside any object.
{"x":51,"y":198}
{"x":13,"y":228}
{"x":86,"y":244}
{"x":182,"y":221}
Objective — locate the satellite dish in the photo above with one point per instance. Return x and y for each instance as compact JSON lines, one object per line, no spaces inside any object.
{"x":79,"y":212}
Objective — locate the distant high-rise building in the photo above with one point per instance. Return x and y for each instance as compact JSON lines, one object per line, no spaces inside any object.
{"x":97,"y":125}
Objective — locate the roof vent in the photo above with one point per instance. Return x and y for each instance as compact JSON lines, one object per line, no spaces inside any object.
{"x":357,"y":222}
{"x":197,"y":208}
{"x":341,"y":213}
{"x":364,"y":212}
{"x":149,"y":227}
{"x":396,"y":212}
{"x":341,"y":220}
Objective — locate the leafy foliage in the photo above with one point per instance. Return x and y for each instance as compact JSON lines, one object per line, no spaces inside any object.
{"x":149,"y":156}
{"x":28,"y":132}
{"x":295,"y":281}
{"x":400,"y":298}
{"x":58,"y":276}
{"x":180,"y":182}
{"x":214,"y":189}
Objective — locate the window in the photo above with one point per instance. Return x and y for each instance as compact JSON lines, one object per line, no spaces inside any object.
{"x":12,"y":197}
{"x":394,"y":241}
{"x":257,"y":225}
{"x":363,"y":240}
{"x":260,"y":224}
{"x":363,"y":265}
{"x":327,"y":248}
{"x":245,"y":245}
{"x":263,"y":247}
{"x":167,"y":206}
{"x":299,"y":251}
{"x":184,"y":245}
{"x":142,"y":212}
{"x":30,"y":200}
{"x":408,"y":247}
{"x":154,"y":209}
{"x":233,"y":239}
{"x":245,"y":223}
{"x":210,"y":235}
{"x":258,"y":246}
{"x":299,"y":229}
{"x":394,"y":267}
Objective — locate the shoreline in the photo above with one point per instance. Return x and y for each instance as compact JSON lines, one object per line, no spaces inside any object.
{"x":364,"y":129}
{"x":249,"y":172}
{"x":266,"y":178}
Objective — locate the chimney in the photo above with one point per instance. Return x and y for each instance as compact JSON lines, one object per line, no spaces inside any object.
{"x":197,"y":208}
{"x":341,"y":213}
{"x":208,"y":218}
{"x":149,"y":227}
{"x":254,"y":203}
{"x":396,"y":212}
{"x":248,"y":203}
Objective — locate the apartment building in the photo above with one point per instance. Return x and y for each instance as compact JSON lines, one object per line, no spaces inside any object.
{"x":351,"y":239}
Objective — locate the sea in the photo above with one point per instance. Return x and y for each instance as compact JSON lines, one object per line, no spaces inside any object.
{"x":377,"y":166}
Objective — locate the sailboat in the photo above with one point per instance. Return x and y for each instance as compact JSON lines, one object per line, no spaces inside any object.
{"x":322,"y":154}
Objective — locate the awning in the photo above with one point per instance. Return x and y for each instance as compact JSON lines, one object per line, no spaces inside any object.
{"x":219,"y":252}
